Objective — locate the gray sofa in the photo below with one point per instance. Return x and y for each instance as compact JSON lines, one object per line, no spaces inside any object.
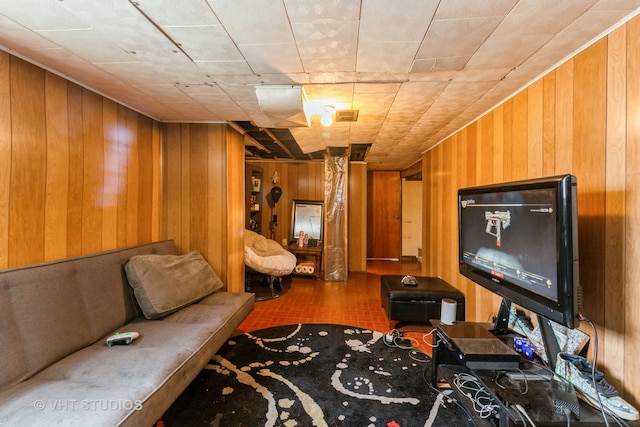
{"x":55,"y":366}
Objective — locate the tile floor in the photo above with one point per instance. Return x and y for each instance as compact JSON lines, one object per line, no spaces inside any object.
{"x":355,"y":302}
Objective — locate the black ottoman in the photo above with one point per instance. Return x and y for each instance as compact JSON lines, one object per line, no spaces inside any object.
{"x":419,"y":303}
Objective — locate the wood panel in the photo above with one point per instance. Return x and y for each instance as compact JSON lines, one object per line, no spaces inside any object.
{"x":589,"y":114}
{"x":205,"y":196}
{"x":110,"y":175}
{"x":615,"y":203}
{"x":357,"y":239}
{"x":92,"y":178}
{"x":69,"y":184}
{"x":581,"y":118}
{"x":234,"y":199}
{"x":76,"y":172}
{"x":629,"y":299}
{"x":5,"y":157}
{"x":28,"y":156}
{"x":57,"y":167}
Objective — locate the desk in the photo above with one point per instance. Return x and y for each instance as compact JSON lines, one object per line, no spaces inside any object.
{"x":308,"y":255}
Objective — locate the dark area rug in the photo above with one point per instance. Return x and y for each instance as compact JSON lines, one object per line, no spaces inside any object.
{"x":313,"y":375}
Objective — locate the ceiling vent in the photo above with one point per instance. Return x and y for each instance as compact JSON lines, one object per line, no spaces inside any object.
{"x":347,"y":115}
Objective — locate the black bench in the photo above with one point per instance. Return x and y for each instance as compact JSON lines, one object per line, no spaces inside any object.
{"x":418,"y":304}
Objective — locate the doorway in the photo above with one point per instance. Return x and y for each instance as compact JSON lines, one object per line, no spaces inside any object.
{"x":384,"y":215}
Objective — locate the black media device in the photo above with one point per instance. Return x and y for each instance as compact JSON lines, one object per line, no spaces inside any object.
{"x":520,"y":240}
{"x":472,"y":345}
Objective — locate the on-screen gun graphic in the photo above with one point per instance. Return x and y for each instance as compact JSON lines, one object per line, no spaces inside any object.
{"x":497,"y":220}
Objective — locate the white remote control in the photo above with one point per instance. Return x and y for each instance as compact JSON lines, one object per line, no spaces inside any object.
{"x":123,"y":338}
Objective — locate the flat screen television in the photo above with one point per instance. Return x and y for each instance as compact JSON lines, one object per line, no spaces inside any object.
{"x":520,"y":240}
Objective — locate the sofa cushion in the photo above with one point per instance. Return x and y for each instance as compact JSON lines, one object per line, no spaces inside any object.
{"x":165,"y":283}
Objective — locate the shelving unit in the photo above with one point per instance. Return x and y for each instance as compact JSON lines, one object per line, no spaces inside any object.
{"x":308,"y":255}
{"x":254,"y":203}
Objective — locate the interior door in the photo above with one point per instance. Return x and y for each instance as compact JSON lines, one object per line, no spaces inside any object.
{"x":384,"y":201}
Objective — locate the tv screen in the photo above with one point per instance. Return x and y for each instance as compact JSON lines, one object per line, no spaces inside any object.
{"x":520,"y":241}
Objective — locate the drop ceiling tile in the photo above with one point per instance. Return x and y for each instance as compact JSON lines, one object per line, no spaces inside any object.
{"x":376,"y":88}
{"x":389,"y":57}
{"x":372,"y":114}
{"x":429,"y":92}
{"x":313,"y":11}
{"x":135,"y":73}
{"x":455,"y":63}
{"x":315,"y":65}
{"x":272,"y":58}
{"x":216,"y":104}
{"x":339,"y":96}
{"x":371,"y":104}
{"x":381,"y":23}
{"x":171,"y":12}
{"x":41,"y":15}
{"x":583,"y":32}
{"x":17,"y":37}
{"x":469,"y":34}
{"x":205,"y":43}
{"x":551,"y":16}
{"x":326,"y":40}
{"x":88,"y":44}
{"x":506,"y":50}
{"x":456,"y":9}
{"x":251,"y":22}
{"x":166,"y":93}
{"x":423,"y":65}
{"x":201,"y":88}
{"x":222,"y":69}
{"x":627,"y":5}
{"x":65,"y":63}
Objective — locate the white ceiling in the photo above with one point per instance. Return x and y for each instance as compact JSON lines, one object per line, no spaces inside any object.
{"x":417,"y":70}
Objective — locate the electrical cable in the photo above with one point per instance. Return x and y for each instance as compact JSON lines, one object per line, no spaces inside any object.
{"x":567,"y":413}
{"x":524,"y":421}
{"x":593,"y":366}
{"x":424,"y":339}
{"x":479,"y":396}
{"x":413,"y":353}
{"x":451,"y":399}
{"x":524,"y":412}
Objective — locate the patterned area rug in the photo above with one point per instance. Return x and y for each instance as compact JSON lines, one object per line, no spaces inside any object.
{"x":313,"y":375}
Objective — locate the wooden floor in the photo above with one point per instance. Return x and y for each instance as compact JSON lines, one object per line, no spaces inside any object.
{"x":355,"y":302}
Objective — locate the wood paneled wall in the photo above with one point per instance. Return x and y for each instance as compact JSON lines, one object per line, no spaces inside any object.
{"x":302,"y":181}
{"x":582,"y":118}
{"x":78,"y":172}
{"x":205,"y":196}
{"x":305,"y":181}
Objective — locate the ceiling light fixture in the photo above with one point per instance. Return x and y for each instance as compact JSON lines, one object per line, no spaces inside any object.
{"x":328,"y":115}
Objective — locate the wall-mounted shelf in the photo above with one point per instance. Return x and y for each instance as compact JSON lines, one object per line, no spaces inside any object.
{"x":254,"y":198}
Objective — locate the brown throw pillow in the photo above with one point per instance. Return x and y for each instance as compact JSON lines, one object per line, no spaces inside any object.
{"x":163,"y":284}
